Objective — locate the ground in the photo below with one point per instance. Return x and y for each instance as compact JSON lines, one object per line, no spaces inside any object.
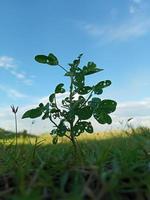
{"x":108,"y":166}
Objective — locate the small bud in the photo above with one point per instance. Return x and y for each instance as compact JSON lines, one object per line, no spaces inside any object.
{"x":14,"y":110}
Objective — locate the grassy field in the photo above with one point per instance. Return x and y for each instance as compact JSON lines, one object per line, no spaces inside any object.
{"x":108,"y":166}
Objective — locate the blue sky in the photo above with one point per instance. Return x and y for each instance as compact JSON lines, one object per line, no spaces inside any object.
{"x":115,"y":35}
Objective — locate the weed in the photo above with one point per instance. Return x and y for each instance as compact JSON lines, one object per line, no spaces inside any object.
{"x":78,"y":106}
{"x":15,"y":110}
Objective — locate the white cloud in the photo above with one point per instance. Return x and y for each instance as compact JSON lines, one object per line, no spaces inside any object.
{"x":137,"y":1}
{"x":139,"y":110}
{"x":131,"y":29}
{"x":132,"y":9}
{"x":136,"y":7}
{"x":8,"y":63}
{"x":19,"y":75}
{"x":134,"y":108}
{"x":16,"y":94}
{"x":22,"y":76}
{"x":135,"y":25}
{"x":11,"y":92}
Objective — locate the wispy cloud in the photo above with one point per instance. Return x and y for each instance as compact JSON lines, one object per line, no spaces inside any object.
{"x":135,"y":25}
{"x":16,"y":94}
{"x":137,"y":1}
{"x":22,"y":76}
{"x":134,"y":108}
{"x":130,"y":29}
{"x":8,"y":63}
{"x":132,"y":9}
{"x":11,"y":92}
{"x":135,"y":6}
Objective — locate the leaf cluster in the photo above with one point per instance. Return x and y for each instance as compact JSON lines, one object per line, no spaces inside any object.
{"x":82,"y":103}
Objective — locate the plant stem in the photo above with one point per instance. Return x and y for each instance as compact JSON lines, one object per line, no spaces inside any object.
{"x":68,"y":136}
{"x":53,"y":121}
{"x":71,"y":122}
{"x":16,"y":129}
{"x":63,"y":68}
{"x":90,"y":95}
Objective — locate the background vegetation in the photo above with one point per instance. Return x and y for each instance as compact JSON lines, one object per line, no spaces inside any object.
{"x":111,"y":165}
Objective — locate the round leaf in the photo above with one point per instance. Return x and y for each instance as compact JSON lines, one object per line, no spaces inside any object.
{"x":84,"y":113}
{"x":52,"y":59}
{"x":41,"y":59}
{"x":108,"y":106}
{"x":84,"y":90}
{"x":33,"y":113}
{"x":98,"y":87}
{"x":94,"y":103}
{"x":52,"y":97}
{"x":89,"y":128}
{"x":79,"y":80}
{"x":55,"y":140}
{"x":79,"y":128}
{"x":59,"y":88}
{"x":103,"y":118}
{"x":91,"y":68}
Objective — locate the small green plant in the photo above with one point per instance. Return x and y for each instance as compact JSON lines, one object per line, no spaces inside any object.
{"x":82,"y":102}
{"x":15,"y":110}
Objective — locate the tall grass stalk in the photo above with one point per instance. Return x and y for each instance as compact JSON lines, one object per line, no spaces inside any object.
{"x":14,"y":110}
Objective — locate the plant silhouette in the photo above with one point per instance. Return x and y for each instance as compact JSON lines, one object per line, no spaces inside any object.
{"x":79,"y":106}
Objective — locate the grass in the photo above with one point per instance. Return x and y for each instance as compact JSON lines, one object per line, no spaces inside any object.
{"x":110,"y":166}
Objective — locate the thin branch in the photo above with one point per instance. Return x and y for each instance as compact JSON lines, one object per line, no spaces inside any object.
{"x":53,"y":121}
{"x":68,"y":136}
{"x":87,"y":99}
{"x":84,"y":104}
{"x":62,"y":68}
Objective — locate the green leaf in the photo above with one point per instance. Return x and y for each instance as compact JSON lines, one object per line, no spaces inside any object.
{"x":76,"y":62}
{"x":55,"y":140}
{"x":102,"y":118}
{"x":46,"y":107}
{"x":46,"y":115}
{"x":33,"y":113}
{"x":59,"y":88}
{"x":80,"y":55}
{"x":76,"y":104}
{"x":69,"y":116}
{"x":61,"y":128}
{"x":80,"y":127}
{"x":54,"y":110}
{"x":69,"y":74}
{"x":98,"y":87}
{"x":108,"y":106}
{"x":54,"y":132}
{"x":84,"y":113}
{"x":89,"y":128}
{"x":91,"y":68}
{"x":41,"y":59}
{"x":79,"y":79}
{"x":94,"y":103}
{"x":52,"y":59}
{"x":52,"y":97}
{"x":41,"y":105}
{"x":83,"y":90}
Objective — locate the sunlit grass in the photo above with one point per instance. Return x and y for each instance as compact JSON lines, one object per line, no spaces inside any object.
{"x":111,"y":165}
